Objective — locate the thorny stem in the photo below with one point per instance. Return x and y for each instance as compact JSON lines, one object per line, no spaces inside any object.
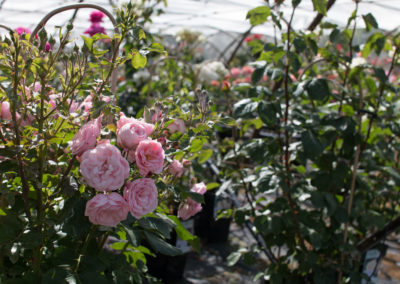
{"x":21,"y":170}
{"x":354,"y":177}
{"x":84,"y":247}
{"x":287,"y":135}
{"x":348,"y":66}
{"x":246,"y":188}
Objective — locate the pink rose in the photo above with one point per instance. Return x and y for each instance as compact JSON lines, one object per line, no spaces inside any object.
{"x":149,"y":128}
{"x":142,"y":196}
{"x":176,"y":168}
{"x":86,"y":105}
{"x":86,"y":137}
{"x":104,"y":168}
{"x":107,"y":209}
{"x":236,"y":72}
{"x":130,"y":134}
{"x":190,"y":207}
{"x":177,"y":125}
{"x":247,"y":70}
{"x":53,"y":100}
{"x":149,"y":157}
{"x":199,"y":188}
{"x":5,"y":111}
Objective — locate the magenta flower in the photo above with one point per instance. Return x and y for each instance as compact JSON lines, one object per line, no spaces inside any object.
{"x":22,"y":30}
{"x":96,"y":17}
{"x":95,"y":28}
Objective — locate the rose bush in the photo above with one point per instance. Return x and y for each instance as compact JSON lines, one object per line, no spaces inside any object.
{"x":71,"y":161}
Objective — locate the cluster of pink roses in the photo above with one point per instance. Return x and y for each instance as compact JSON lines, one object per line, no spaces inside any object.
{"x":105,"y":168}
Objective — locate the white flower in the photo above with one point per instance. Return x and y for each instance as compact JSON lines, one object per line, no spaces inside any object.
{"x":214,"y":70}
{"x":357,"y":61}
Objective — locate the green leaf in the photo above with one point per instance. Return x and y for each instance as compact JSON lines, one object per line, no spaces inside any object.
{"x":157,"y":224}
{"x":380,"y":74}
{"x":196,"y":145}
{"x":317,"y":199}
{"x":268,"y":112}
{"x":2,"y":213}
{"x":184,"y":234}
{"x":311,"y":145}
{"x":131,"y":235}
{"x":370,"y":21}
{"x":318,"y":89}
{"x":204,"y":156}
{"x":258,"y":15}
{"x":156,"y":47}
{"x":257,"y":75}
{"x":320,"y":6}
{"x":233,"y":258}
{"x":88,"y":42}
{"x":227,"y":121}
{"x":212,"y":185}
{"x":138,"y":60}
{"x":196,"y":196}
{"x":331,"y":202}
{"x":244,"y":108}
{"x":161,"y":246}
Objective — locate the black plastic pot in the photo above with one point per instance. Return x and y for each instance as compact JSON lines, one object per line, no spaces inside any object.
{"x":170,"y":269}
{"x":206,"y":226}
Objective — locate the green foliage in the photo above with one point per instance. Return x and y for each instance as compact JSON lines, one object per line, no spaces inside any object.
{"x":259,"y":15}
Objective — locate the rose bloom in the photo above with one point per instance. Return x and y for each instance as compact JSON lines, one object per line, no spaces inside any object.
{"x":104,"y":168}
{"x":95,"y":28}
{"x":149,"y":157}
{"x":47,"y":46}
{"x":199,"y":188}
{"x":176,"y":168}
{"x":130,"y":134}
{"x":190,"y":207}
{"x":149,"y":128}
{"x":177,"y":125}
{"x":86,"y":137}
{"x":96,"y":16}
{"x":247,"y":70}
{"x":5,"y":112}
{"x":236,"y":72}
{"x":142,"y":196}
{"x":107,"y":209}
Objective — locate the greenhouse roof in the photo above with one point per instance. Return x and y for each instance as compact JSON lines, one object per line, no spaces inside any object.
{"x":207,"y":16}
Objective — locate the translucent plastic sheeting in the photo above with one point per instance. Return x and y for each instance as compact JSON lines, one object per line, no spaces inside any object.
{"x":207,"y":16}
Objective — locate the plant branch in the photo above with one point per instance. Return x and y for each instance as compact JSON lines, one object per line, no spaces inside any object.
{"x":245,"y":34}
{"x":319,"y":16}
{"x":369,"y":242}
{"x":348,"y":66}
{"x":21,"y":170}
{"x":354,"y":177}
